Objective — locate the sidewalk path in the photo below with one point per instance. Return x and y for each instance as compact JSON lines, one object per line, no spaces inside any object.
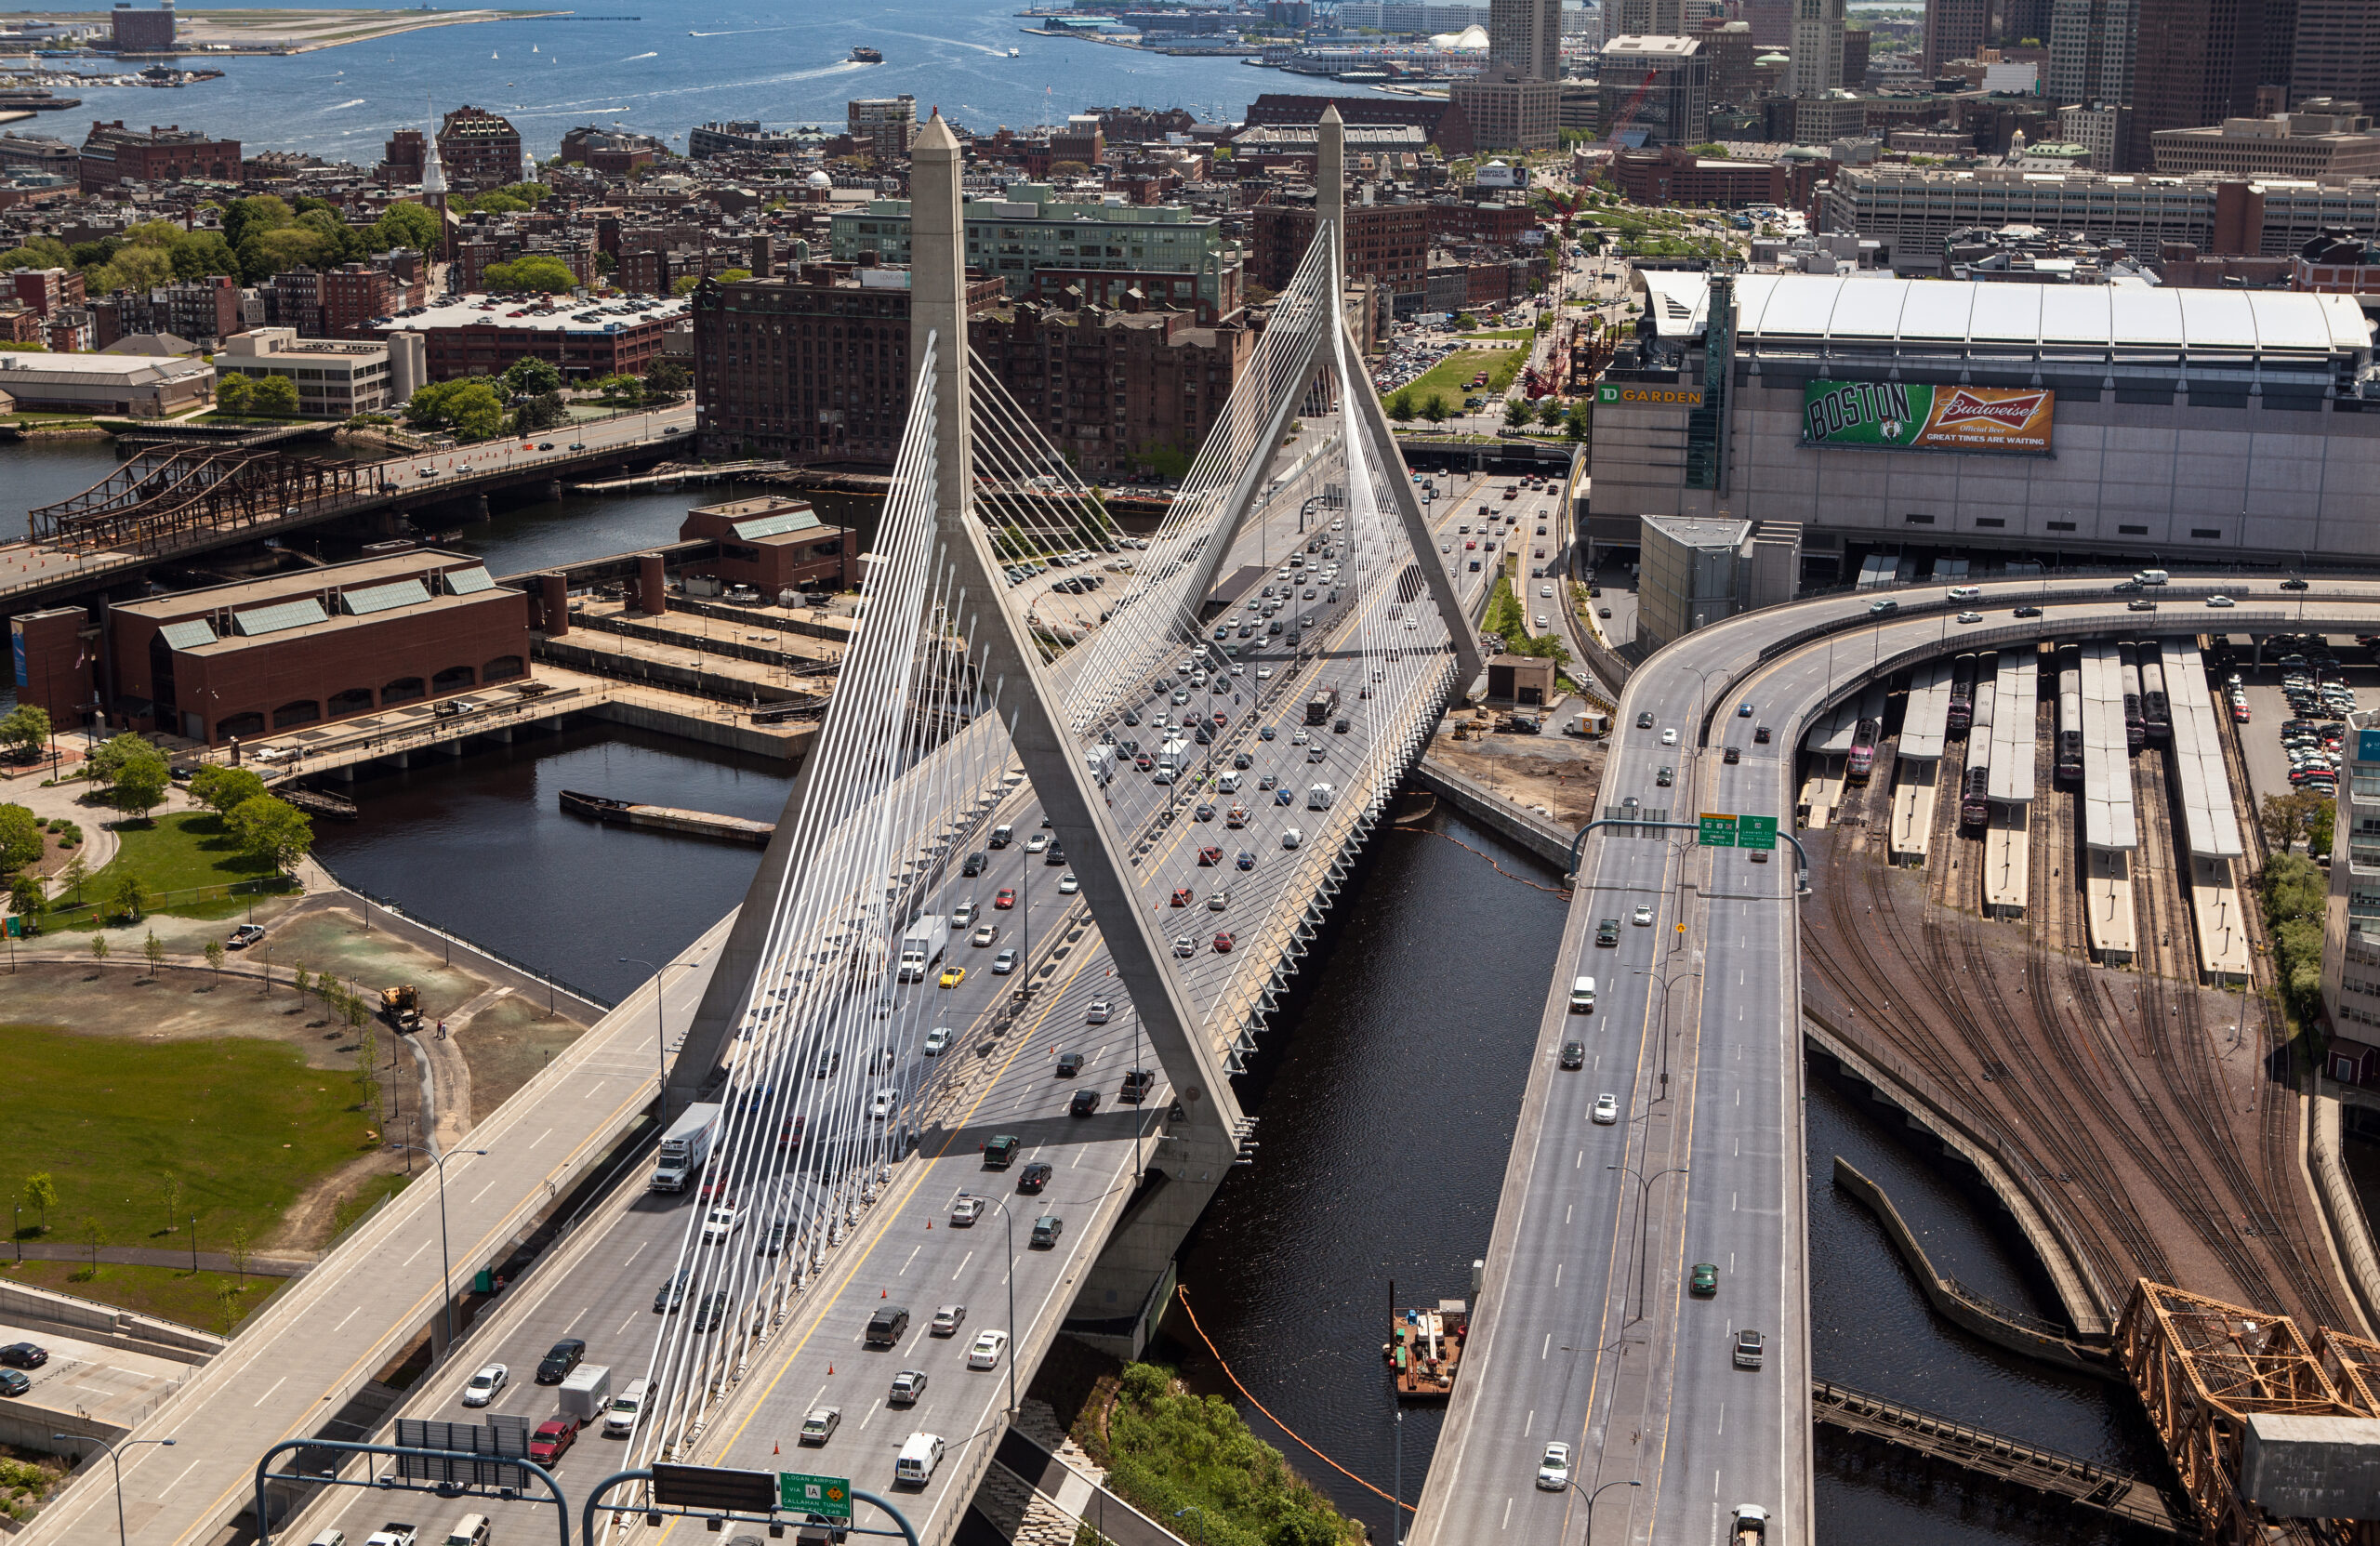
{"x":149,"y":1256}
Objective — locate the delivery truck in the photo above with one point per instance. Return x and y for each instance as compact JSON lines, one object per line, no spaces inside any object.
{"x":922,"y":947}
{"x":684,"y":1147}
{"x":586,"y":1391}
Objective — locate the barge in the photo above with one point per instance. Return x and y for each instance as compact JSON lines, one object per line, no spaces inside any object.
{"x":1425,"y":1349}
{"x":666,"y":818}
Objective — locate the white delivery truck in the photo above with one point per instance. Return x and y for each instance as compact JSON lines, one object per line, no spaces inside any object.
{"x":620,"y":1421}
{"x":922,"y":947}
{"x":684,"y":1147}
{"x":586,"y":1391}
{"x":1318,"y":797}
{"x":1102,"y":763}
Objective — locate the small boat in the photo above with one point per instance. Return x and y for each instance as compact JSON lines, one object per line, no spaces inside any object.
{"x":1012,"y":53}
{"x":867,"y":56}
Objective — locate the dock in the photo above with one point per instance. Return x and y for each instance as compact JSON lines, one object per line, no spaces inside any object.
{"x":1425,"y":1349}
{"x":666,"y":818}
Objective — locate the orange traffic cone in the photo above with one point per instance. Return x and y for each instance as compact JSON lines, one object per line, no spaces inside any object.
{"x":929,"y":1224}
{"x":776,"y":1449}
{"x":883,"y":1293}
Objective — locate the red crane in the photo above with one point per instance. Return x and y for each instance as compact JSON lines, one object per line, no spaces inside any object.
{"x":1628,"y":113}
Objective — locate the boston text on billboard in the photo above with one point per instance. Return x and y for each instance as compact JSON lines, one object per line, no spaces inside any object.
{"x":1918,"y":417}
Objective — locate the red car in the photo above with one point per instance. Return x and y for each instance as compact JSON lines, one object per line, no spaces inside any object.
{"x":1144,"y":761}
{"x":716,"y":1187}
{"x":1221,"y":720}
{"x":1223,"y":944}
{"x":552,"y":1439}
{"x":1181,"y":896}
{"x":1210,"y":855}
{"x":1006,"y":899}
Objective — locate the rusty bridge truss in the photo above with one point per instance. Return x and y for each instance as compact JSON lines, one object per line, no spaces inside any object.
{"x":167,"y":499}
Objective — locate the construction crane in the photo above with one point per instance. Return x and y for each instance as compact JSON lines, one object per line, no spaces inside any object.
{"x":1628,"y":115}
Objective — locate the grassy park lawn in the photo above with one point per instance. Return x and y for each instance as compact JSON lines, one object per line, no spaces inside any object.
{"x":241,"y":1123}
{"x":1451,"y":377}
{"x":184,"y":862}
{"x":170,"y":1293}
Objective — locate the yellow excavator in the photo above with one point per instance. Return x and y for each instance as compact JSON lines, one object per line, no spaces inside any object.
{"x":401,"y":1007}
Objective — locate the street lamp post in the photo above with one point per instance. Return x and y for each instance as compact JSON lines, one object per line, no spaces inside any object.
{"x":1008,"y":1227}
{"x":1202,"y":1518}
{"x":446,"y":1262}
{"x":1591,"y":1498}
{"x":1643,"y":1211}
{"x":661,"y":1027}
{"x":114,"y":1455}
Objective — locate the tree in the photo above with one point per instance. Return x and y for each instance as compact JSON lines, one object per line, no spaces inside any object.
{"x":41,"y":1195}
{"x":685,"y":284}
{"x":665,"y":381}
{"x":93,"y":1234}
{"x":239,"y":1251}
{"x":273,"y":830}
{"x":1435,"y":409}
{"x":470,"y":408}
{"x":729,"y":276}
{"x":172,"y":1189}
{"x":1516,"y":413}
{"x":25,"y":893}
{"x":131,"y":897}
{"x":273,"y":395}
{"x":223,"y":789}
{"x":234,"y":393}
{"x":543,"y":411}
{"x":406,"y":225}
{"x":251,"y":216}
{"x":98,"y":950}
{"x":538,"y":271}
{"x":23,"y":728}
{"x":154,"y":948}
{"x":2285,"y":818}
{"x":530,"y":377}
{"x":2320,"y":828}
{"x":1549,"y":412}
{"x":134,"y":772}
{"x":21,"y":838}
{"x":1579,"y":423}
{"x":215,"y":957}
{"x":1400,"y":407}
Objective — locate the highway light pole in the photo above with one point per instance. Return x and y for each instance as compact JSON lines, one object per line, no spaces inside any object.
{"x":1643,"y":1211}
{"x":660,"y":1030}
{"x":446,"y":1264}
{"x":1591,"y":1498}
{"x":115,"y":1456}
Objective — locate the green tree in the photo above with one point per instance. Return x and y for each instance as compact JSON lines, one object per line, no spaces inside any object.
{"x":729,"y":276}
{"x":530,"y":377}
{"x":2320,"y":828}
{"x":234,"y":393}
{"x":621,"y":391}
{"x":275,"y":396}
{"x":136,"y":773}
{"x":665,"y":381}
{"x":239,"y":1251}
{"x":77,"y":870}
{"x":684,"y":284}
{"x":1549,"y":411}
{"x":406,"y":225}
{"x":41,"y":1195}
{"x":1400,"y":407}
{"x":543,"y":411}
{"x":538,"y":271}
{"x":1579,"y":423}
{"x":215,"y":957}
{"x":223,"y":789}
{"x":470,"y":408}
{"x":153,"y":948}
{"x":273,"y":830}
{"x":1516,"y":413}
{"x":25,"y":893}
{"x":2285,"y":818}
{"x":131,"y":897}
{"x":244,"y":218}
{"x":20,"y":837}
{"x":1435,"y":409}
{"x":23,"y":729}
{"x":93,"y":1234}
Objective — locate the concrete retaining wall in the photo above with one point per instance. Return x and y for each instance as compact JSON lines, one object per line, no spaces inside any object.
{"x":2350,"y":1232}
{"x":715,"y":732}
{"x":1548,"y":841}
{"x":92,"y":1321}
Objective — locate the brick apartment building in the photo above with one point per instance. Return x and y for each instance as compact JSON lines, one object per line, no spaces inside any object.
{"x":1675,"y":175}
{"x":479,"y":150}
{"x":249,"y":659}
{"x":484,"y":335}
{"x":205,"y":311}
{"x":114,"y":154}
{"x":45,"y":291}
{"x":1386,"y":241}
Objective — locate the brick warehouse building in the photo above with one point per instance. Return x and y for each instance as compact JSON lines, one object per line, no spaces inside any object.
{"x":249,"y":659}
{"x":1111,"y":389}
{"x":1387,"y":242}
{"x":114,"y":154}
{"x":484,"y":335}
{"x":775,"y":545}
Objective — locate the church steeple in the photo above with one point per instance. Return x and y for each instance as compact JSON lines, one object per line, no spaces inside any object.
{"x":433,"y":177}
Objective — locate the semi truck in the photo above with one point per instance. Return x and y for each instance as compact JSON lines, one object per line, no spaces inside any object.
{"x":586,"y":1391}
{"x":1323,"y":704}
{"x":1102,"y":763}
{"x":922,"y":947}
{"x":684,"y":1147}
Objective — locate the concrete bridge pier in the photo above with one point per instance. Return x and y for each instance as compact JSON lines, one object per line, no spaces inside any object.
{"x":344,"y":775}
{"x":476,"y":506}
{"x":553,"y":491}
{"x":1125,"y":1292}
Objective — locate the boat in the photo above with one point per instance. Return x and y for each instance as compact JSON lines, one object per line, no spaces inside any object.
{"x":867,"y":56}
{"x":318,"y":803}
{"x":1424,"y":1347}
{"x":666,"y":818}
{"x":1012,"y":53}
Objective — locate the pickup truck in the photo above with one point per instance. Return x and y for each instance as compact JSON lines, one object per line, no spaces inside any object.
{"x":1751,"y":1526}
{"x":393,"y":1534}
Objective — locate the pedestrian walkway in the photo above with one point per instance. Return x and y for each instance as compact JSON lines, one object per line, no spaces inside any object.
{"x":151,"y":1255}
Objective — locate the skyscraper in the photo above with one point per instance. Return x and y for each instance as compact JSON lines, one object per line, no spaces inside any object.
{"x":2337,"y":52}
{"x":1526,"y":36}
{"x":2090,"y":51}
{"x":1818,"y":48}
{"x":1954,"y":29}
{"x":2195,"y":63}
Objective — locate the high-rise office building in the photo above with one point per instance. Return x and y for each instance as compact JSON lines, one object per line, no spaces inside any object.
{"x":2336,"y":52}
{"x":2195,"y":63}
{"x":1954,"y":29}
{"x":1526,"y":35}
{"x":2019,"y":20}
{"x":2090,"y":51}
{"x":1818,"y":48}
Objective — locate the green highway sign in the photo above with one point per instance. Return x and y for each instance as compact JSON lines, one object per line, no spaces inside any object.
{"x":827,"y":1497}
{"x":1718,"y":831}
{"x":1755,"y":831}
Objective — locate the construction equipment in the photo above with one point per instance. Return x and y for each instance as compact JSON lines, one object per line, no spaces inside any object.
{"x":401,"y":1007}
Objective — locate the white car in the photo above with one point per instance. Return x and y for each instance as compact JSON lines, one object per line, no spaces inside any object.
{"x":887,"y":1101}
{"x":1185,"y":947}
{"x":1264,"y":673}
{"x":484,"y":1384}
{"x":1669,"y":738}
{"x":1292,"y":838}
{"x":1607,"y":1109}
{"x":722,"y":1223}
{"x":1970,"y":617}
{"x":2220,"y":600}
{"x":985,"y":935}
{"x":966,"y":1208}
{"x":1067,"y":884}
{"x":1554,"y":1471}
{"x":1099,"y":1013}
{"x":1541,"y":620}
{"x":1298,"y":738}
{"x":938,"y":1042}
{"x":986,"y":1352}
{"x":1642,"y":918}
{"x":1038,"y":843}
{"x":963,"y":915}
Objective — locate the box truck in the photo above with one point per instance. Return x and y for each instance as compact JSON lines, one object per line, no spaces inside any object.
{"x":684,"y":1147}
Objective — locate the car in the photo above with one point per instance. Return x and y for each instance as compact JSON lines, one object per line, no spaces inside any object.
{"x":1038,"y":843}
{"x":24,"y":1355}
{"x":1554,"y":1469}
{"x":953,"y":975}
{"x":986,"y":1352}
{"x":711,"y":1311}
{"x":984,"y":936}
{"x":559,"y":1359}
{"x":552,"y":1440}
{"x":1181,"y":896}
{"x":908,"y":1386}
{"x":1085,"y":1103}
{"x":1067,"y":884}
{"x":1223,"y":944}
{"x":672,"y":1293}
{"x":484,"y":1385}
{"x":1002,"y":964}
{"x":1574,"y":1054}
{"x":1069,"y":1064}
{"x":2293,"y":583}
{"x":2140,"y":604}
{"x":1642,"y":918}
{"x":1669,"y":737}
{"x":243,"y":936}
{"x":1185,"y":947}
{"x":1204,"y":813}
{"x":1606,"y":1108}
{"x":1034,"y":1177}
{"x":1247,"y":859}
{"x":2220,"y":600}
{"x":1743,"y":710}
{"x":1045,"y":1230}
{"x":948,"y":1320}
{"x":1266,"y":734}
{"x":13,"y":1384}
{"x":1703,"y":1282}
{"x":1761,"y":735}
{"x":1004,"y":898}
{"x":1666,"y":778}
{"x":1138,"y":1082}
{"x":1970,"y":617}
{"x":2027,"y":612}
{"x":719,"y":1224}
{"x":1644,"y":720}
{"x":938,"y":1040}
{"x":1751,"y":1349}
{"x":1210,"y":856}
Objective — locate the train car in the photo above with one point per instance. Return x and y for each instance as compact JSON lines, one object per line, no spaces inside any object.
{"x":1863,"y":750}
{"x":2136,"y":729}
{"x":1973,"y":808}
{"x":1962,"y":695}
{"x":2070,"y":718}
{"x":2156,"y":710}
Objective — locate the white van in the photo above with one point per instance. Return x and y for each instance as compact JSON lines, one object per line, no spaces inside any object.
{"x":332,"y":1536}
{"x":1292,"y":838}
{"x":2151,"y":576}
{"x":1582,"y":996}
{"x":1318,"y":797}
{"x":918,"y":1457}
{"x":470,"y":1530}
{"x":620,"y":1421}
{"x":1967,"y":593}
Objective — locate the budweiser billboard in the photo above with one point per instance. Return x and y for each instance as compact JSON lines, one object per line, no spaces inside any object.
{"x":1900,"y":416}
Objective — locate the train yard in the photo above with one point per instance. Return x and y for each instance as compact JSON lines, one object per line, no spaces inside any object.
{"x":2029,"y":895}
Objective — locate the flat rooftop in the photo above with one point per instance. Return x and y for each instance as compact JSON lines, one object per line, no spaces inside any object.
{"x":507,"y":312}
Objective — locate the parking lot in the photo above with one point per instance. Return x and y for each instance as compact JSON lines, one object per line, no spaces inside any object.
{"x":2270,"y":708}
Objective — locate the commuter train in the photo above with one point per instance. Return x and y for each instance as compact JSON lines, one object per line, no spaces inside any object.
{"x":2156,"y":710}
{"x":1962,"y":695}
{"x":2135,"y":730}
{"x":1975,"y":810}
{"x":2069,"y":717}
{"x":1863,"y":750}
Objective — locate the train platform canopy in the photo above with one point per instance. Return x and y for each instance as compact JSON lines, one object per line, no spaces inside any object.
{"x":2109,"y":822}
{"x":2210,"y":821}
{"x":1923,"y":721}
{"x":2013,"y":729}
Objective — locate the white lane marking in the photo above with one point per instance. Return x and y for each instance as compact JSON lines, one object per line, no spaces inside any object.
{"x":351,"y":1316}
{"x":275,"y":1385}
{"x":962,"y":1265}
{"x":1731,"y":1202}
{"x":541,"y":1137}
{"x":1557,"y":1274}
{"x":1723,"y":1417}
{"x":416,"y":1251}
{"x":1566,"y":1216}
{"x":1507,"y":1515}
{"x":1546,"y":1349}
{"x":871,"y":1411}
{"x":1530,"y":1424}
{"x":626,"y":1324}
{"x":483,"y":1191}
{"x":1580,"y":1160}
{"x":904,"y":1266}
{"x":186,"y":1471}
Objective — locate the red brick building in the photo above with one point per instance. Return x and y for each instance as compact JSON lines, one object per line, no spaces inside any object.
{"x":261,"y":657}
{"x":479,"y":150}
{"x":115,"y":154}
{"x":44,"y":291}
{"x":1675,"y":175}
{"x":775,"y":545}
{"x":484,"y":335}
{"x":1387,"y":242}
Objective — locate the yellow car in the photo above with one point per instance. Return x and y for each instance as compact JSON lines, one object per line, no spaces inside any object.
{"x":953,"y":975}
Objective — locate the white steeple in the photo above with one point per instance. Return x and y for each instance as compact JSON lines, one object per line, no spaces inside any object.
{"x":433,"y":171}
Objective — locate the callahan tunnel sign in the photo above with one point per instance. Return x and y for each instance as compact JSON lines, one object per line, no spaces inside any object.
{"x":1901,"y":416}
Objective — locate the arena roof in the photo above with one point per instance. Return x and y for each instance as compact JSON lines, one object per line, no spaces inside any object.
{"x":1932,"y":315}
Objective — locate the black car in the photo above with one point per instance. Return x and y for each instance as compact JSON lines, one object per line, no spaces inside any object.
{"x":1644,"y":720}
{"x":565,"y":1356}
{"x":1069,"y":1064}
{"x":1761,"y":735}
{"x":672,"y":1294}
{"x":1034,"y":1177}
{"x":2293,"y":583}
{"x":713,"y":1311}
{"x":1735,"y":754}
{"x":23,"y":1356}
{"x":1574,"y":1054}
{"x":1242,"y":760}
{"x":2027,"y":612}
{"x":1085,"y":1103}
{"x":773,"y":1239}
{"x":974,"y":865}
{"x":13,"y":1384}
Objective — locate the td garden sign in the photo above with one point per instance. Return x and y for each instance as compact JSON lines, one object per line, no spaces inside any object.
{"x":1900,"y":416}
